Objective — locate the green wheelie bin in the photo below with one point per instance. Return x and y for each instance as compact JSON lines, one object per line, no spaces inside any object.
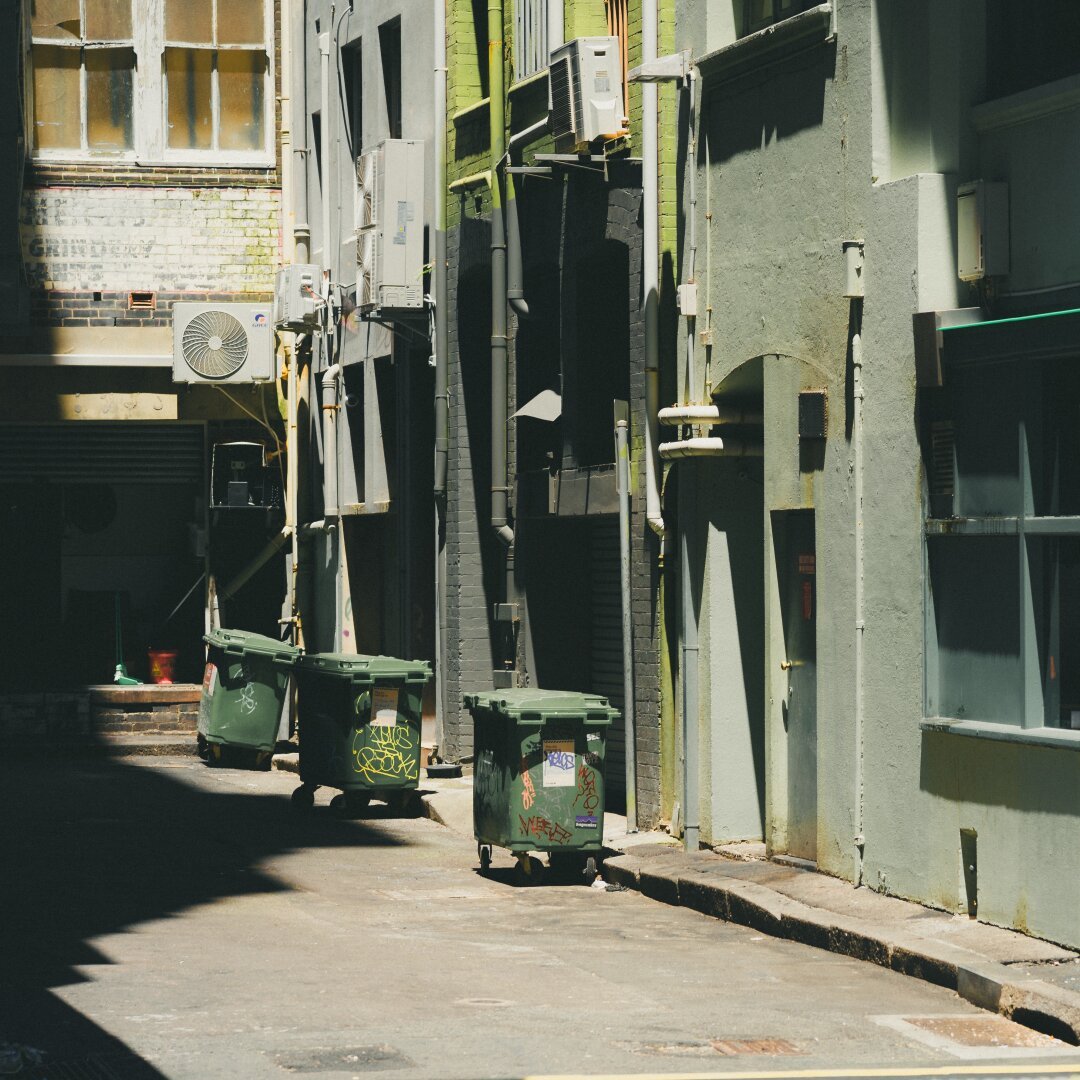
{"x":359,"y":719}
{"x":538,"y":781}
{"x":244,"y":687}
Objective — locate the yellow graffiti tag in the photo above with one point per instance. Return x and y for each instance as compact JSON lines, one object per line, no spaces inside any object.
{"x":388,"y":752}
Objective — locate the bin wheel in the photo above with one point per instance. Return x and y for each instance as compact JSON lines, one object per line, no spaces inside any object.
{"x":303,"y":797}
{"x":484,"y":851}
{"x":202,"y":748}
{"x":398,"y":801}
{"x":264,"y":760}
{"x":349,"y":804}
{"x":529,"y":871}
{"x":217,"y":752}
{"x":588,"y":872}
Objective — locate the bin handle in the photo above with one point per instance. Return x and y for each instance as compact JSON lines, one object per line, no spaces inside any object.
{"x":287,"y":662}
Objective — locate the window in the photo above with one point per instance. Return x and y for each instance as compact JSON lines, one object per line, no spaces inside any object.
{"x":152,"y":80}
{"x":390,"y":49}
{"x":757,"y":14}
{"x":480,"y":31}
{"x":531,"y":53}
{"x":619,"y":27}
{"x":1001,"y":444}
{"x":352,"y":58}
{"x":1028,"y":45}
{"x":83,"y":64}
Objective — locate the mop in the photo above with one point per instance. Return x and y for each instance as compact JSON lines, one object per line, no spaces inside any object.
{"x":120,"y":676}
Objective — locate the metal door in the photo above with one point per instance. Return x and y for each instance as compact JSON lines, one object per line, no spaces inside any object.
{"x":796,"y":556}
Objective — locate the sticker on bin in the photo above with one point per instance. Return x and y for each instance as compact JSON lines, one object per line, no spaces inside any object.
{"x":384,"y":706}
{"x":209,"y":683}
{"x":585,"y":821}
{"x":559,"y":763}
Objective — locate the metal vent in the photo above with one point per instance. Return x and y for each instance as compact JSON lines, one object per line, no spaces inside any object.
{"x":215,"y":345}
{"x":942,"y":457}
{"x":563,"y":120}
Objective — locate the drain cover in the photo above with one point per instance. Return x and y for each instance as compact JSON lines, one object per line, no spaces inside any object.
{"x":735,"y":1047}
{"x":355,"y":1058}
{"x":94,"y":1067}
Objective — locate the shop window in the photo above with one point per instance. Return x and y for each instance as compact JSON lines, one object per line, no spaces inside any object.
{"x":182,"y":80}
{"x":1003,"y":544}
{"x":531,"y":52}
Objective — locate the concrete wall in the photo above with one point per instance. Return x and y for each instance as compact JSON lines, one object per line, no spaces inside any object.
{"x":866,"y":138}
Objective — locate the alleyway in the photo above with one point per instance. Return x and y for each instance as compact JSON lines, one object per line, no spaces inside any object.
{"x":172,"y":920}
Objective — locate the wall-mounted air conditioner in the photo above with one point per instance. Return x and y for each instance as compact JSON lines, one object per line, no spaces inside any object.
{"x":982,"y":230}
{"x":585,"y":91}
{"x":296,"y":297}
{"x":222,"y":343}
{"x":390,"y":228}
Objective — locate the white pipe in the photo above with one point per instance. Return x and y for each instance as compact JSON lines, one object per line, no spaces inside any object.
{"x":711,"y":447}
{"x":555,"y":26}
{"x":527,"y":134}
{"x":650,"y":198}
{"x":860,"y":613}
{"x":329,"y":396}
{"x":678,"y":415}
{"x":298,"y":62}
{"x":324,"y":138}
{"x":622,"y":464}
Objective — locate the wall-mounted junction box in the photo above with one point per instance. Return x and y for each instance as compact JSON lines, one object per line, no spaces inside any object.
{"x":982,"y":230}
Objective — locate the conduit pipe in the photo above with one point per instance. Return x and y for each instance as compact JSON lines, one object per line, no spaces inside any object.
{"x":650,"y":198}
{"x":679,"y":415}
{"x":327,"y":164}
{"x":515,"y":289}
{"x":500,"y":491}
{"x":329,"y":400}
{"x":860,"y":602}
{"x":622,"y":465}
{"x":712,"y":446}
{"x":301,"y":228}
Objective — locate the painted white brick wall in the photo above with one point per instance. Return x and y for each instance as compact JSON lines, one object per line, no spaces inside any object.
{"x":168,"y":239}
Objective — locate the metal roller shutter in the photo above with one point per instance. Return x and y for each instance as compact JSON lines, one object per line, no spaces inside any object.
{"x":101,"y":452}
{"x":607,"y":659}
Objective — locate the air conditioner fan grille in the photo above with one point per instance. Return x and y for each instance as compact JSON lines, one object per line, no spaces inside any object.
{"x":215,"y":345}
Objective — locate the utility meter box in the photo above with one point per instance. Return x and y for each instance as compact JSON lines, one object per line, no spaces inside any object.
{"x":390,"y":229}
{"x":982,"y":230}
{"x":585,"y":91}
{"x":296,"y":297}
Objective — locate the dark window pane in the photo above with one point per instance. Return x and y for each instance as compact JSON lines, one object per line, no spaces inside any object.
{"x":240,"y":85}
{"x":975,"y":591}
{"x":56,"y":98}
{"x":239,"y":24}
{"x":1028,"y":44}
{"x":1054,"y":438}
{"x":108,"y":98}
{"x":187,"y":74}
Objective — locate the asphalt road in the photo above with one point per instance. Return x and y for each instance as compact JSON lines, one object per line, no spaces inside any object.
{"x":161,"y":918}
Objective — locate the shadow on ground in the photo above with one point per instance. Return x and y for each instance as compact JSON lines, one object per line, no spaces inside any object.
{"x":94,"y":846}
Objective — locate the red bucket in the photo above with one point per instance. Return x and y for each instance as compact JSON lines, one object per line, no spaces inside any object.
{"x":162,"y":666}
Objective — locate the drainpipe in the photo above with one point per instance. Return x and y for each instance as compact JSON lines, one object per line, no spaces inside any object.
{"x":301,"y":228}
{"x":329,"y":395}
{"x":327,"y":164}
{"x":650,"y":198}
{"x":622,"y":463}
{"x":442,"y":373}
{"x":515,"y":287}
{"x":500,"y":491}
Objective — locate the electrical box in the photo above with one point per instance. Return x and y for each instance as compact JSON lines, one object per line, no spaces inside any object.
{"x":240,"y":479}
{"x":686,"y":299}
{"x":390,"y":229}
{"x":585,"y":91}
{"x":222,"y":343}
{"x":982,"y":230}
{"x":296,"y":297}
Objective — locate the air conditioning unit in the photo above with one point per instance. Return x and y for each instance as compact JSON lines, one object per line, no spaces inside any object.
{"x":585,"y":91}
{"x":982,"y":230}
{"x":222,"y":343}
{"x":296,"y":297}
{"x":390,"y":228}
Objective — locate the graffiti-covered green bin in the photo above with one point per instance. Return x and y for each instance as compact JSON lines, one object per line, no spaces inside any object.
{"x":244,"y":687}
{"x":359,"y":721}
{"x":538,"y":781}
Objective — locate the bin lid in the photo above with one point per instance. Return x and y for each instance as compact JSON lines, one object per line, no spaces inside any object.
{"x":363,"y":667}
{"x":244,"y":641}
{"x":530,"y":705}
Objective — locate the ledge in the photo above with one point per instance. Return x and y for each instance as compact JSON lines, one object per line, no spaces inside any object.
{"x":470,"y":112}
{"x":527,"y":83}
{"x":776,"y":42}
{"x":1063,"y":738}
{"x":1028,"y":105}
{"x":146,"y":694}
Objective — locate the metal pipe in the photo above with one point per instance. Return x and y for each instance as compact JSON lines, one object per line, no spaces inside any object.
{"x":324,"y":137}
{"x":526,"y":135}
{"x":860,"y":611}
{"x":515,"y":285}
{"x":650,"y":198}
{"x":292,"y":470}
{"x":689,"y":635}
{"x":275,"y":544}
{"x":711,"y":447}
{"x":691,"y":229}
{"x":622,"y":462}
{"x":711,"y":415}
{"x":329,"y":401}
{"x":500,"y":490}
{"x":301,"y":228}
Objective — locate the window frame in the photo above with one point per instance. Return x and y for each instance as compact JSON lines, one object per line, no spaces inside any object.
{"x":150,"y":100}
{"x":1038,"y":710}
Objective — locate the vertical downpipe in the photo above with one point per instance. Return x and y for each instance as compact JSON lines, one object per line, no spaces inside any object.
{"x":301,"y":228}
{"x":622,"y":462}
{"x":442,"y":373}
{"x":860,"y":578}
{"x":500,"y":488}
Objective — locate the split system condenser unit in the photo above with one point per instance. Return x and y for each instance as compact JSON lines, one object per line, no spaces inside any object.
{"x":585,"y":91}
{"x":222,"y":343}
{"x":390,"y":228}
